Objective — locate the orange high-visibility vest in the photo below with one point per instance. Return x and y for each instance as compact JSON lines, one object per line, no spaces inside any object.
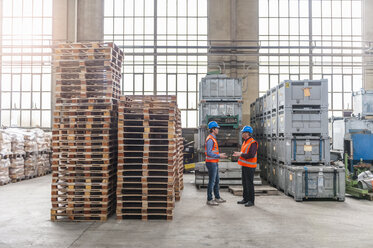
{"x":215,"y":149}
{"x":251,"y":162}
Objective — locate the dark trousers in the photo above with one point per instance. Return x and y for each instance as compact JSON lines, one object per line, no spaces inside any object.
{"x":213,"y":170}
{"x":248,"y":184}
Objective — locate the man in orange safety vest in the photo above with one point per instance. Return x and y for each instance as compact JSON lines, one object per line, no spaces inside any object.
{"x":212,"y":158}
{"x":248,"y":161}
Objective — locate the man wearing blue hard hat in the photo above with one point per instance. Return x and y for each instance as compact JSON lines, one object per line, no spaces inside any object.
{"x":212,"y":158}
{"x":248,"y":161}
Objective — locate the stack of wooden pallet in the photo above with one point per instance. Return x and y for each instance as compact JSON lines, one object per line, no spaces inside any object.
{"x":85,"y":131}
{"x":179,"y":183}
{"x":148,"y":165}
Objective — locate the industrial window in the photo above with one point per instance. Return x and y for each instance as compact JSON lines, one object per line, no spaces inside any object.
{"x":305,"y":39}
{"x":25,"y":82}
{"x":160,"y":39}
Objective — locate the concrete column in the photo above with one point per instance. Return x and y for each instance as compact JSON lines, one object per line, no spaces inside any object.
{"x":63,"y":30}
{"x":368,"y":36}
{"x":219,"y":34}
{"x":64,"y":20}
{"x":1,"y":43}
{"x":236,"y":23}
{"x":90,"y":20}
{"x":1,"y":33}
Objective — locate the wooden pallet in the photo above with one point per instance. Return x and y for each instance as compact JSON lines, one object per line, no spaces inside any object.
{"x":60,"y":216}
{"x":91,"y":69}
{"x":85,"y":131}
{"x":2,"y":183}
{"x":147,"y":156}
{"x":78,"y":187}
{"x":145,"y":217}
{"x":86,"y":63}
{"x":145,"y":211}
{"x":259,"y":190}
{"x":84,"y":102}
{"x":137,"y":168}
{"x":16,"y":180}
{"x":30,"y":177}
{"x":144,"y":185}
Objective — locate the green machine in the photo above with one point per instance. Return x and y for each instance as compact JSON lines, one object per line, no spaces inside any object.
{"x":229,"y":137}
{"x":225,"y":121}
{"x":359,"y":182}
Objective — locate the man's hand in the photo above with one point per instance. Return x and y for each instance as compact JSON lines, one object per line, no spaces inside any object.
{"x":223,"y":155}
{"x":237,"y":154}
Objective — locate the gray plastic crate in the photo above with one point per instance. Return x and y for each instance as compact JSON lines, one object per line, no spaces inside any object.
{"x":261,"y":106}
{"x":269,"y":172}
{"x":257,"y":107}
{"x":268,"y":102}
{"x":273,"y":148}
{"x":274,"y":123}
{"x":220,"y":87}
{"x":281,"y":178}
{"x":272,"y":170}
{"x":264,"y":150}
{"x":264,"y":110}
{"x":363,"y":103}
{"x":219,"y":108}
{"x":303,"y":121}
{"x":252,"y":110}
{"x":226,"y":137}
{"x":304,"y":92}
{"x":261,"y":146}
{"x":304,"y":149}
{"x":267,"y":125}
{"x":274,"y":103}
{"x":315,"y":182}
{"x":255,"y":125}
{"x":260,"y":125}
{"x":268,"y":146}
{"x":263,"y":168}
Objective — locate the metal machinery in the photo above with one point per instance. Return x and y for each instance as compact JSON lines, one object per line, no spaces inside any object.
{"x":354,"y":137}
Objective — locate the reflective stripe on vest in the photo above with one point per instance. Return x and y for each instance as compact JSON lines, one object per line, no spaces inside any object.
{"x":215,"y":149}
{"x":251,"y":162}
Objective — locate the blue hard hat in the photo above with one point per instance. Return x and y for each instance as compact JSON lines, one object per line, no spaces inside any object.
{"x":213,"y":124}
{"x":247,"y":129}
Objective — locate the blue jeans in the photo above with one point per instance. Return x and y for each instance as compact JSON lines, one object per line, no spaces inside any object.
{"x":213,"y":170}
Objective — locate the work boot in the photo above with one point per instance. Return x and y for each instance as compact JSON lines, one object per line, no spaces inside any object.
{"x":249,"y":204}
{"x":220,"y":200}
{"x":242,"y":202}
{"x":212,"y":203}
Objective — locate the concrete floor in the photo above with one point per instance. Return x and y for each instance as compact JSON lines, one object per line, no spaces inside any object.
{"x":275,"y":221}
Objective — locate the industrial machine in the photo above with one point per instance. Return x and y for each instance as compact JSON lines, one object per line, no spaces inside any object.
{"x":358,"y":162}
{"x":353,"y":136}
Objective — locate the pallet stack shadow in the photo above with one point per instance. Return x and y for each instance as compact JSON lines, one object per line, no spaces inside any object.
{"x":291,"y":126}
{"x":85,"y":131}
{"x":150,"y":157}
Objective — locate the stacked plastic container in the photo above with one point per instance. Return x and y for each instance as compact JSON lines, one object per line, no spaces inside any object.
{"x":291,"y":125}
{"x":363,"y":103}
{"x":220,"y":99}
